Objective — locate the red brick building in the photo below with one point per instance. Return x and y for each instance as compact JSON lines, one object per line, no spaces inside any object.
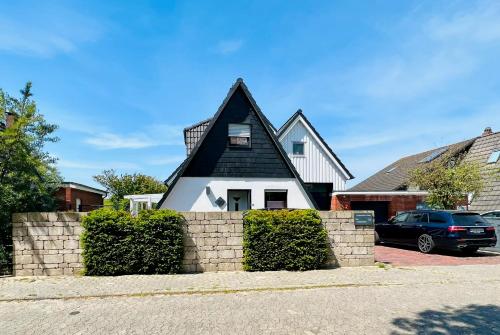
{"x":79,"y":198}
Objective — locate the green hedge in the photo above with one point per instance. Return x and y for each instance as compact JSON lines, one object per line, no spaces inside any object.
{"x":283,"y":240}
{"x":115,"y":243}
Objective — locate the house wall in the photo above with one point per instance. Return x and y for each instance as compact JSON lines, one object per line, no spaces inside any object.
{"x":397,"y":203}
{"x":189,"y":193}
{"x":315,"y":166}
{"x":67,"y":196}
{"x":49,"y":243}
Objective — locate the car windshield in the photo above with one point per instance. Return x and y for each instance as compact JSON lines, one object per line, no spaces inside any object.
{"x":467,"y":219}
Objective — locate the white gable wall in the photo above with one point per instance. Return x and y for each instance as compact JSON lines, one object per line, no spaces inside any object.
{"x":316,"y":166}
{"x":190,"y":193}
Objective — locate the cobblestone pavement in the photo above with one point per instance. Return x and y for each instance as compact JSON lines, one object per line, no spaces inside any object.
{"x":446,"y":300}
{"x":406,"y":256}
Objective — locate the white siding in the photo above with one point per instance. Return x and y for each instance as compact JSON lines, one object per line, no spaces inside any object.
{"x":315,"y":166}
{"x":190,"y":194}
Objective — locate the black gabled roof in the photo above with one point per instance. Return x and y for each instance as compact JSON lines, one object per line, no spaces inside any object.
{"x":267,"y":126}
{"x":298,"y":114}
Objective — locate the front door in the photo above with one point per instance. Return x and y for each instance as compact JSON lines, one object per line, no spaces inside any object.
{"x":238,"y":200}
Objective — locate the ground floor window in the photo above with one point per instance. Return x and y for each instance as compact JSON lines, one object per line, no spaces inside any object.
{"x":276,"y":199}
{"x":238,"y":200}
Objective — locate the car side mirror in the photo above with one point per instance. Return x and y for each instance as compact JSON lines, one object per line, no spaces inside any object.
{"x":391,"y":220}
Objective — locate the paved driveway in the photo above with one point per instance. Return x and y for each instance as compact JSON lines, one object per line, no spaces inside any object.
{"x":405,"y":256}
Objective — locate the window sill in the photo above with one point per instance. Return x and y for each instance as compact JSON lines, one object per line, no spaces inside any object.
{"x":298,"y":156}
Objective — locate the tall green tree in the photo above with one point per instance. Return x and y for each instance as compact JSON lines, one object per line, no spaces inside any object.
{"x":120,"y":185}
{"x":28,"y":178}
{"x":448,"y":180}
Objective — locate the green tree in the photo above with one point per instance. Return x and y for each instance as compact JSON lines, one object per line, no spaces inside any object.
{"x":120,"y":185}
{"x":448,"y":180}
{"x":28,"y":178}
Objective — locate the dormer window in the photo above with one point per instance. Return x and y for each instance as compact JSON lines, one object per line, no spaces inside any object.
{"x":298,"y":148}
{"x":239,"y":135}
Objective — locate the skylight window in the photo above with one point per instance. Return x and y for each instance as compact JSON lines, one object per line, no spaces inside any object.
{"x":494,"y":157}
{"x":433,"y":155}
{"x":391,"y":169}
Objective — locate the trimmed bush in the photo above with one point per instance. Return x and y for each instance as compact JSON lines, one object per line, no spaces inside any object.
{"x":283,"y":240}
{"x":115,"y":243}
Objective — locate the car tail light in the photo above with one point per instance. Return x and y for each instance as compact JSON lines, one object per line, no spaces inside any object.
{"x":490,"y":228}
{"x":454,"y":229}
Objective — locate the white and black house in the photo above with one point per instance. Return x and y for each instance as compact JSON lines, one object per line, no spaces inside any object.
{"x":237,"y":160}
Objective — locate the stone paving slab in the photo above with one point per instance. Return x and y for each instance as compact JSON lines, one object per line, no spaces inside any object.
{"x":68,"y":287}
{"x":406,"y":256}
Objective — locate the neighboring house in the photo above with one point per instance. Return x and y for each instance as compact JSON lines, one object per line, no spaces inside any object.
{"x":79,"y":198}
{"x":486,"y":152}
{"x":8,"y":121}
{"x":388,"y":192}
{"x":236,"y":162}
{"x":318,"y":166}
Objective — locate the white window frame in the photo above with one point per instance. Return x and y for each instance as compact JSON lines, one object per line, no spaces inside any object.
{"x":303,"y":149}
{"x":242,"y":135}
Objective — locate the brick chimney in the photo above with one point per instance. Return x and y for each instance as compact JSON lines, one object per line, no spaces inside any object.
{"x":9,"y":120}
{"x":487,"y":131}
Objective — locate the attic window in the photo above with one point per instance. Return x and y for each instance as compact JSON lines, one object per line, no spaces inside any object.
{"x":494,"y":157}
{"x":239,"y":135}
{"x":298,"y":148}
{"x":391,"y":169}
{"x":433,"y":155}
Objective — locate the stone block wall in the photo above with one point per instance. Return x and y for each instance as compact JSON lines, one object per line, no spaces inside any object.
{"x":49,"y":243}
{"x":213,"y":241}
{"x":350,"y":245}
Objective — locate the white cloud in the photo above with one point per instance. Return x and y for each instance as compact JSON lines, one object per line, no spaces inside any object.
{"x":228,"y":46}
{"x":155,"y":135}
{"x":433,"y":52}
{"x":47,"y":32}
{"x":481,"y":24}
{"x":166,"y":160}
{"x":94,"y":166}
{"x":115,"y":141}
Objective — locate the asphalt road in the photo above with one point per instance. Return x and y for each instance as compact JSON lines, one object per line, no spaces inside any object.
{"x":448,"y":308}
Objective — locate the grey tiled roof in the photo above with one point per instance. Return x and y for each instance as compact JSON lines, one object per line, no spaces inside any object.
{"x":389,"y":179}
{"x":193,"y":134}
{"x":489,"y":199}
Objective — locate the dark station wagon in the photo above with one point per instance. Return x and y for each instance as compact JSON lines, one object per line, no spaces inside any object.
{"x":431,"y":229}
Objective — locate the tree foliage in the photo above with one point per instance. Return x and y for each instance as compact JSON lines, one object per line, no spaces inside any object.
{"x":120,"y":185}
{"x":28,"y":178}
{"x":448,"y":180}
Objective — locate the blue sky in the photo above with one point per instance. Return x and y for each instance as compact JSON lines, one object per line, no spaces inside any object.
{"x":378,"y":79}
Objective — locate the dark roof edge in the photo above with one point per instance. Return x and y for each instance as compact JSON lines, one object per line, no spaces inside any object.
{"x":68,"y":183}
{"x":239,"y":83}
{"x":299,"y":113}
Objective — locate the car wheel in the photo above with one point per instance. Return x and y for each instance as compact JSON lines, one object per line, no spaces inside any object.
{"x":470,"y":250}
{"x":377,"y":238}
{"x":425,"y":243}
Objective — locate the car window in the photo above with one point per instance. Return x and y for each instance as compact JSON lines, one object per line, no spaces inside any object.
{"x":468,"y":219}
{"x":415,"y":217}
{"x":437,"y":218}
{"x":400,"y":218}
{"x":424,"y":218}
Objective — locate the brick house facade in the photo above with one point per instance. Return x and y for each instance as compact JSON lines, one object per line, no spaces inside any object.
{"x":79,"y":198}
